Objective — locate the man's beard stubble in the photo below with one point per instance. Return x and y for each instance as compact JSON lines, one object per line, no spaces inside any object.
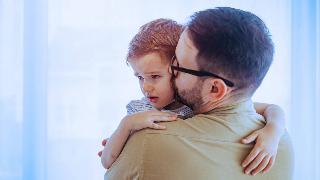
{"x":191,"y":98}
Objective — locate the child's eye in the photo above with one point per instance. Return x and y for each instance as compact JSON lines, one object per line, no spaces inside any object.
{"x":155,"y":76}
{"x":140,"y":78}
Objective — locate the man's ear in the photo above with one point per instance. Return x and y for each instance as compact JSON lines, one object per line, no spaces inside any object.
{"x":218,"y":89}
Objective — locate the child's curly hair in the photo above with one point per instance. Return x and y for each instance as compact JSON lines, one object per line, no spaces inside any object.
{"x":160,"y":36}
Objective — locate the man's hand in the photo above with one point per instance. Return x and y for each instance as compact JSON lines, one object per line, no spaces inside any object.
{"x":263,"y":154}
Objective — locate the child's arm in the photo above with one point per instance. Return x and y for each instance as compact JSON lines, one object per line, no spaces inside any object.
{"x":263,"y":154}
{"x":128,"y":125}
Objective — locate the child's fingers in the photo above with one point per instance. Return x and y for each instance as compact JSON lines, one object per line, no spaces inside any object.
{"x":270,"y":164}
{"x":255,"y":163}
{"x":163,"y":118}
{"x":262,"y":165}
{"x":161,"y":113}
{"x":249,"y":139}
{"x":104,"y":142}
{"x":253,"y":154}
{"x":157,"y":126}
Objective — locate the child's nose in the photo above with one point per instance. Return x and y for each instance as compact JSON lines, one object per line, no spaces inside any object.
{"x":147,"y":87}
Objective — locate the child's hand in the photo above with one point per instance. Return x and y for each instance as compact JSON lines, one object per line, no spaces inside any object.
{"x":263,"y":154}
{"x":103,"y":143}
{"x":148,"y":119}
{"x":129,"y":125}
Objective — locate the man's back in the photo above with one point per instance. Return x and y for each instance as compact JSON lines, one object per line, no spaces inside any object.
{"x":203,"y":147}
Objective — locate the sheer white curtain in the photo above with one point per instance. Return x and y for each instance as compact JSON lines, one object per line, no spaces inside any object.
{"x":23,"y":57}
{"x":64,"y":83}
{"x":305,"y":80}
{"x":11,"y":68}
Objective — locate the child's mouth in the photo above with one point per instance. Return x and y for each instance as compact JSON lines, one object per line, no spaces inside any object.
{"x":153,"y":99}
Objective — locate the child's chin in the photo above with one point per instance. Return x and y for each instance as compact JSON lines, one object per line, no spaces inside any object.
{"x":157,"y":106}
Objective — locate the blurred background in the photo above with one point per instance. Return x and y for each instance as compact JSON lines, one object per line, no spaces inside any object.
{"x":64,"y":82}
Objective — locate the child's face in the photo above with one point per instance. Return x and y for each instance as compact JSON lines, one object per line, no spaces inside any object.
{"x":154,"y":79}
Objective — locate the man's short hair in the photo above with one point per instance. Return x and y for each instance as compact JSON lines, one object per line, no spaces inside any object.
{"x":232,"y":43}
{"x":160,"y":36}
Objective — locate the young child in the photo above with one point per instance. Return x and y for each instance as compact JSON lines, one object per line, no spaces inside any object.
{"x":150,"y":53}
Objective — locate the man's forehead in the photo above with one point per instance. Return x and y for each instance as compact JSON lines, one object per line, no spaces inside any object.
{"x":187,"y":40}
{"x":186,"y":51}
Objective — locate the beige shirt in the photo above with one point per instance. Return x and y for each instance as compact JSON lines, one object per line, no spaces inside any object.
{"x":206,"y":146}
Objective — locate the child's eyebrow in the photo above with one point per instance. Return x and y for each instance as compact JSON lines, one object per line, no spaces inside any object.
{"x":153,"y":72}
{"x":148,"y":73}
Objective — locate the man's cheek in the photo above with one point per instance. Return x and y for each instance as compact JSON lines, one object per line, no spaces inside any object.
{"x":179,"y":81}
{"x":184,"y":83}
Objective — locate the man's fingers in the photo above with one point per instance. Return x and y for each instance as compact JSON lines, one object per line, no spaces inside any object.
{"x":249,"y":139}
{"x":270,"y":164}
{"x":255,"y":163}
{"x":253,"y":154}
{"x":262,"y":165}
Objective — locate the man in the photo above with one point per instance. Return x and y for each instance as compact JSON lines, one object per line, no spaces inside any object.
{"x":221,"y":59}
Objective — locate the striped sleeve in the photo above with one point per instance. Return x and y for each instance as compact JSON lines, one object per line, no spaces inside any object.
{"x":136,"y":106}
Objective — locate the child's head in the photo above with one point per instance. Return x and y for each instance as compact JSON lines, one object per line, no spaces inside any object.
{"x":150,"y":53}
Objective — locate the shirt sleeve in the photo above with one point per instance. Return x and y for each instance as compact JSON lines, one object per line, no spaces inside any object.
{"x":136,"y":106}
{"x":130,"y":109}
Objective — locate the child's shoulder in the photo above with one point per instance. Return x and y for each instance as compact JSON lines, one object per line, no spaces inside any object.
{"x":139,"y":102}
{"x":183,"y":112}
{"x":140,"y":105}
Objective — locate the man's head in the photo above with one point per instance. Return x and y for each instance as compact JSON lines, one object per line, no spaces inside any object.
{"x":150,"y":53}
{"x":233,"y":45}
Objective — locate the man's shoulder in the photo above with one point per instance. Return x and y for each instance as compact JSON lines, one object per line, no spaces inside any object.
{"x":192,"y":127}
{"x":128,"y":164}
{"x":210,"y":126}
{"x":285,"y":144}
{"x":147,"y":150}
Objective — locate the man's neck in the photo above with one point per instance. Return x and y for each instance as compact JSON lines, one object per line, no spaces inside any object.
{"x":211,"y":105}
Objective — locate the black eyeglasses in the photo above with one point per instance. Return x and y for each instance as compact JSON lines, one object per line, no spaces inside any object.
{"x":194,"y":72}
